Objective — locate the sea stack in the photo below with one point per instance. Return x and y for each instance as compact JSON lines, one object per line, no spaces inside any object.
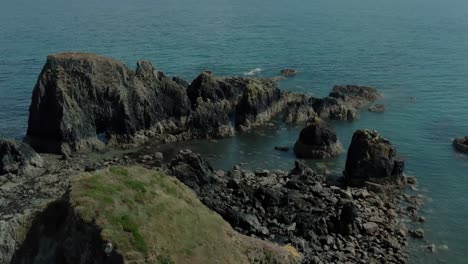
{"x":372,"y":158}
{"x":317,"y":141}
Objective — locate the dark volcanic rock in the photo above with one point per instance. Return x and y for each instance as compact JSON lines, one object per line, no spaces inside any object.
{"x":318,"y":141}
{"x":259,"y":102}
{"x":83,"y":102}
{"x":288,"y":72}
{"x":18,"y":158}
{"x":300,"y":209}
{"x":461,"y":144}
{"x":377,"y":108}
{"x":343,"y":102}
{"x":300,"y":111}
{"x":180,"y":81}
{"x":79,"y":96}
{"x":210,"y":118}
{"x":192,"y":170}
{"x":372,"y":158}
{"x":209,"y":87}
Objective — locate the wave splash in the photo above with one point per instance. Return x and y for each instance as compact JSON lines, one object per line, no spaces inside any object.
{"x":253,"y":72}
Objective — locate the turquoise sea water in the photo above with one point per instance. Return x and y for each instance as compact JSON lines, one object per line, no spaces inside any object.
{"x":414,"y":51}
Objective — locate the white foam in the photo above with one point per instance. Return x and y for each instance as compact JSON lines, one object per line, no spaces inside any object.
{"x":253,"y":72}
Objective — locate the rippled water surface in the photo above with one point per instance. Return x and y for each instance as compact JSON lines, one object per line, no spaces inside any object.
{"x":414,"y":51}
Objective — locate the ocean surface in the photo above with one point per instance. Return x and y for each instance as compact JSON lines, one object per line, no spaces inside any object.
{"x":414,"y":51}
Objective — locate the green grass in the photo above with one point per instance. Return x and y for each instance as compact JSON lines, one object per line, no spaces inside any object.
{"x":153,"y":218}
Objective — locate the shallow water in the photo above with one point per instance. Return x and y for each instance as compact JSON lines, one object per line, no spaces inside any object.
{"x":414,"y":51}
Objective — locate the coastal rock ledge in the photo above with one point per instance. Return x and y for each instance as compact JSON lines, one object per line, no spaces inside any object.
{"x":372,"y":158}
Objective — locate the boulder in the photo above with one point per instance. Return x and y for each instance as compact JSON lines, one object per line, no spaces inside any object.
{"x":282,"y":148}
{"x":192,"y":169}
{"x":377,"y":108}
{"x":370,"y":228}
{"x":372,"y":158}
{"x":461,"y":144}
{"x":18,"y":158}
{"x":288,"y":72}
{"x":318,"y":141}
{"x":418,"y":233}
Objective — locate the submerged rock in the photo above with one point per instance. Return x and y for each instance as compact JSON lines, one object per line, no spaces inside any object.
{"x":377,"y":108}
{"x":372,"y":158}
{"x":461,"y":144}
{"x":318,"y":141}
{"x":18,"y":158}
{"x":288,"y":72}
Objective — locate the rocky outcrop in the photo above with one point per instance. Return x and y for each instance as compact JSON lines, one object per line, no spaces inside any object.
{"x":377,"y":108}
{"x":461,"y":144}
{"x":192,"y":170}
{"x":288,"y":72}
{"x":84,"y":102}
{"x":209,"y":87}
{"x":84,"y":227}
{"x":372,"y":158}
{"x":325,"y":223}
{"x":18,"y":158}
{"x":79,"y":96}
{"x":343,"y":102}
{"x":300,"y":111}
{"x":259,"y":102}
{"x":317,"y":141}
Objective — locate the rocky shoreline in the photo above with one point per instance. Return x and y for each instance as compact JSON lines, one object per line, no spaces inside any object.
{"x":84,"y":102}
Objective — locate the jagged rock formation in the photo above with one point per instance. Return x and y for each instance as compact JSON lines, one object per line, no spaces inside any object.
{"x":217,"y":89}
{"x":326,"y":223}
{"x":317,"y":141}
{"x":18,"y":158}
{"x":461,"y":144}
{"x":372,"y":158}
{"x":343,"y":102}
{"x":79,"y":96}
{"x":84,"y":101}
{"x":300,"y":111}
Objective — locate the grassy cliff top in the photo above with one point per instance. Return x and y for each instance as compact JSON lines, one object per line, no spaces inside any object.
{"x":153,"y":218}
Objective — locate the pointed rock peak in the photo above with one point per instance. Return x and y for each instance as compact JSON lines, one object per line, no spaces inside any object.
{"x":144,"y":68}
